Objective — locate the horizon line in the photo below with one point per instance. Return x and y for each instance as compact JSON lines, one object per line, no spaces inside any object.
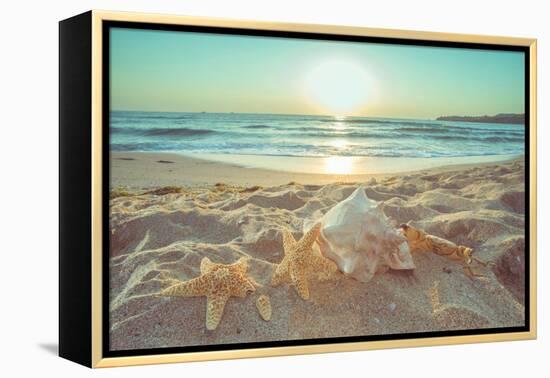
{"x":316,"y":115}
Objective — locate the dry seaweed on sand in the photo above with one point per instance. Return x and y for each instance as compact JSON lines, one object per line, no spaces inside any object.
{"x":251,"y":189}
{"x":119,"y":192}
{"x":165,"y":190}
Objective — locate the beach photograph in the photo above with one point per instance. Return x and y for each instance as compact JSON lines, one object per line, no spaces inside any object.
{"x":268,"y":189}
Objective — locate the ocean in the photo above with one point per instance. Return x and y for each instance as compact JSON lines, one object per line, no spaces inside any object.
{"x":309,"y":136}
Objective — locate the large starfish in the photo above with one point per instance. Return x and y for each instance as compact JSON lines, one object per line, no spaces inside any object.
{"x":299,"y":260}
{"x":217,"y":282}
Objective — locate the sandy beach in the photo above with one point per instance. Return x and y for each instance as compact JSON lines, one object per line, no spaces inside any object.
{"x":139,"y":170}
{"x":227,"y":211}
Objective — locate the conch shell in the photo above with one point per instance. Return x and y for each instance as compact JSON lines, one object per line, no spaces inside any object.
{"x":359,"y":238}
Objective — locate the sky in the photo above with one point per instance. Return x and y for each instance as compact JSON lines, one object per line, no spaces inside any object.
{"x":194,"y":72}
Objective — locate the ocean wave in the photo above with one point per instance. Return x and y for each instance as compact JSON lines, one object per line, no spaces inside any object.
{"x":180,"y":131}
{"x":398,"y":133}
{"x":308,"y":135}
{"x":147,"y":146}
{"x":453,"y":129}
{"x":256,"y":127}
{"x":488,"y":139}
{"x":137,"y":115}
{"x":302,"y":151}
{"x":167,"y":131}
{"x":378,"y":121}
{"x":324,"y":133}
{"x":397,"y":129}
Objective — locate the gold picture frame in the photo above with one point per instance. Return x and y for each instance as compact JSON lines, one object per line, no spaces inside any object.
{"x":81,"y":320}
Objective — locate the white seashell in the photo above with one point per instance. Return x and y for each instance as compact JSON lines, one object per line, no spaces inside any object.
{"x":359,"y":238}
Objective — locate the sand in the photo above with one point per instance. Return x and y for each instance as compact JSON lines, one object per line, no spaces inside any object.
{"x":169,"y":231}
{"x":150,"y":170}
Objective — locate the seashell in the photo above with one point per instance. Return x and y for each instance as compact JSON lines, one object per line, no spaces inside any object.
{"x":359,"y":238}
{"x":264,"y":307}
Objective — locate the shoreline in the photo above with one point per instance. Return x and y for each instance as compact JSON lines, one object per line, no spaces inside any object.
{"x":354,"y":165}
{"x":155,"y":169}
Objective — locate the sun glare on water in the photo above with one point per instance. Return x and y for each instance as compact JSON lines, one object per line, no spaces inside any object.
{"x":339,"y":87}
{"x":339,"y":144}
{"x":339,"y":165}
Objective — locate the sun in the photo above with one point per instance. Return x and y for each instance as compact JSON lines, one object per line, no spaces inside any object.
{"x":338,"y":87}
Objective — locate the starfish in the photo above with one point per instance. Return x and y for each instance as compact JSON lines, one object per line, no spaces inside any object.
{"x":299,"y":260}
{"x":217,"y":282}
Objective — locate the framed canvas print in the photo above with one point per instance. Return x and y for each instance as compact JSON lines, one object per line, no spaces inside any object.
{"x":237,"y":188}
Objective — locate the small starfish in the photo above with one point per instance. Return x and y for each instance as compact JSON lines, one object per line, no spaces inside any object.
{"x":299,"y":260}
{"x":217,"y":282}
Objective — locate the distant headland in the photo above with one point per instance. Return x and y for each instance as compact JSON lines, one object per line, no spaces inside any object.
{"x":499,"y":118}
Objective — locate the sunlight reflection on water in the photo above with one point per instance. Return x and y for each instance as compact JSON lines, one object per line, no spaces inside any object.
{"x":341,"y":165}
